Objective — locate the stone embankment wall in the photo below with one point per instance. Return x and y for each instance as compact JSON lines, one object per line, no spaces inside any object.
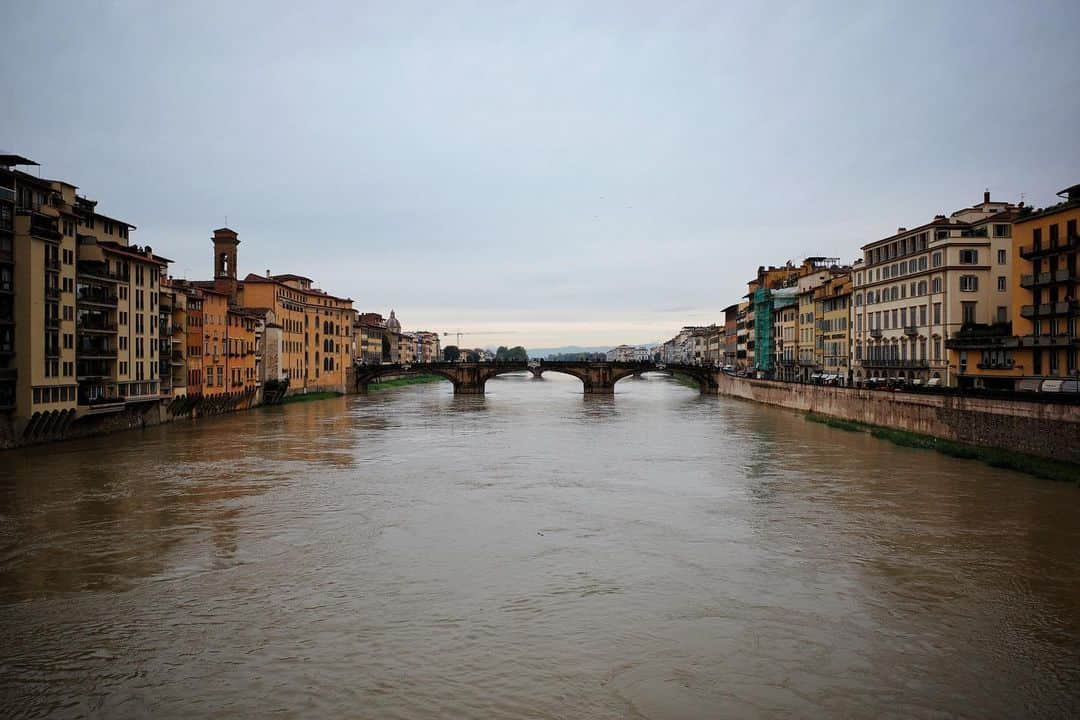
{"x":1043,"y":429}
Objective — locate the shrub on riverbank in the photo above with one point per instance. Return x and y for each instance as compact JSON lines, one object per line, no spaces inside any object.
{"x":994,"y":457}
{"x":309,"y":397}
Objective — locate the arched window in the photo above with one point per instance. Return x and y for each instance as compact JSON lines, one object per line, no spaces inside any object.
{"x":936,"y":285}
{"x":922,"y":287}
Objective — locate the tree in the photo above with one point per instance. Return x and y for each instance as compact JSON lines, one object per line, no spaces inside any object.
{"x":451,"y":353}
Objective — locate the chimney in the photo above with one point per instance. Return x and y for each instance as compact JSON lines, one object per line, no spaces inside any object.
{"x":901,"y":229}
{"x":986,"y":196}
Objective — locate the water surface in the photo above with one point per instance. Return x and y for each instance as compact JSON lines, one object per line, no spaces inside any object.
{"x":532,"y":553}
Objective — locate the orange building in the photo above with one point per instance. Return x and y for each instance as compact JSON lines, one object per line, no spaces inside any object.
{"x":315,"y":328}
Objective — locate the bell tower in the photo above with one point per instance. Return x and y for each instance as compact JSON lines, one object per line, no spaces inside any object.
{"x":225,"y":242}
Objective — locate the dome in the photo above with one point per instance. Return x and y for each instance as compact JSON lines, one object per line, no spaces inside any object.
{"x":393,"y":325}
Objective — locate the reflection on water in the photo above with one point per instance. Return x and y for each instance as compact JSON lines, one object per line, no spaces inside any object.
{"x":532,"y":553}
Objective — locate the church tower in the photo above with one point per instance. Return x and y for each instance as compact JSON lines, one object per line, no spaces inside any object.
{"x":225,"y":242}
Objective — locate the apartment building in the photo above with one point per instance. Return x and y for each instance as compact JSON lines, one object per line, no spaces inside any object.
{"x":172,"y":343}
{"x":370,"y":338}
{"x":1046,"y":312}
{"x":731,"y":335}
{"x":87,"y":336}
{"x":1041,"y":341}
{"x":785,"y":330}
{"x":428,"y":347}
{"x":815,"y":273}
{"x":917,"y":288}
{"x":832,"y":306}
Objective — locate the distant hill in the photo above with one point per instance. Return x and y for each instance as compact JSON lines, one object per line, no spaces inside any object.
{"x":567,"y":350}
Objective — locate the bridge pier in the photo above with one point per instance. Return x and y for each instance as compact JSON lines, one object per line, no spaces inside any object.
{"x":469,"y":388}
{"x":537,"y":373}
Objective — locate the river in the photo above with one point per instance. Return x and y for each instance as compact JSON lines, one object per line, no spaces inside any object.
{"x":534,"y":553}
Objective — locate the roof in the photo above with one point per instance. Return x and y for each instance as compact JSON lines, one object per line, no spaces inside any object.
{"x":10,"y":160}
{"x":278,"y":280}
{"x":132,"y":252}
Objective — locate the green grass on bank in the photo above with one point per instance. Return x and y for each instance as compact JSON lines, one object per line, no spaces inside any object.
{"x":995,"y":457}
{"x":402,"y":382}
{"x":309,"y":397}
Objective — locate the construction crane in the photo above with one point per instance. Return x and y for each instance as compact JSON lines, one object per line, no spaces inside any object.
{"x":459,"y":333}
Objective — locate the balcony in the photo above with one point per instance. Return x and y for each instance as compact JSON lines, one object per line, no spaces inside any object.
{"x":975,"y":336}
{"x":876,"y":332}
{"x":896,"y":363}
{"x":1000,"y":365}
{"x":177,"y":358}
{"x":911,"y":330}
{"x":177,"y":329}
{"x":93,"y":326}
{"x":1048,"y":278}
{"x":1031,"y":252}
{"x":52,"y":265}
{"x":52,"y":352}
{"x":95,"y":271}
{"x":43,"y":228}
{"x":1067,"y":307}
{"x":1045,"y":341}
{"x":9,"y":374}
{"x":94,"y":296}
{"x":95,"y":351}
{"x":53,"y":323}
{"x":52,"y":293}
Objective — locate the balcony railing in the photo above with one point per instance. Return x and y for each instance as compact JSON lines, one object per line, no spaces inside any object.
{"x":96,"y":297}
{"x":44,"y":228}
{"x":1001,"y":365}
{"x":95,"y":352}
{"x":95,"y":326}
{"x":52,"y":322}
{"x":95,"y":271}
{"x":896,"y":363}
{"x":1066,"y":307}
{"x":876,"y":332}
{"x":8,"y":374}
{"x":1070,"y":243}
{"x":1047,"y":340}
{"x":53,"y":293}
{"x":1048,"y":278}
{"x":911,"y":330}
{"x":52,"y":264}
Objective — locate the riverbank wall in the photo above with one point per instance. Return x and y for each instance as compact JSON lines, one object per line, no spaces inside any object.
{"x":1049,"y":430}
{"x":58,"y":425}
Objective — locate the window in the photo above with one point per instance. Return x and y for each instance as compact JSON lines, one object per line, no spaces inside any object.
{"x":922,"y":263}
{"x":937,"y":313}
{"x":967,"y":310}
{"x":1001,"y":231}
{"x":935,"y":259}
{"x":1003,"y":257}
{"x":1002,"y":314}
{"x":969,"y":257}
{"x":1001,"y":283}
{"x":969,"y":283}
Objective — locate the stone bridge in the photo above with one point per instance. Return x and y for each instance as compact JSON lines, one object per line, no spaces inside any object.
{"x":599,"y":378}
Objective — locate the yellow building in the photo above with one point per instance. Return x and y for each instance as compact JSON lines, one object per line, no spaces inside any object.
{"x":86,"y":340}
{"x":833,"y":328}
{"x":1041,"y":342}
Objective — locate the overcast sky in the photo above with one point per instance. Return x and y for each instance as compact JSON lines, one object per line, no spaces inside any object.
{"x":550,"y":173}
